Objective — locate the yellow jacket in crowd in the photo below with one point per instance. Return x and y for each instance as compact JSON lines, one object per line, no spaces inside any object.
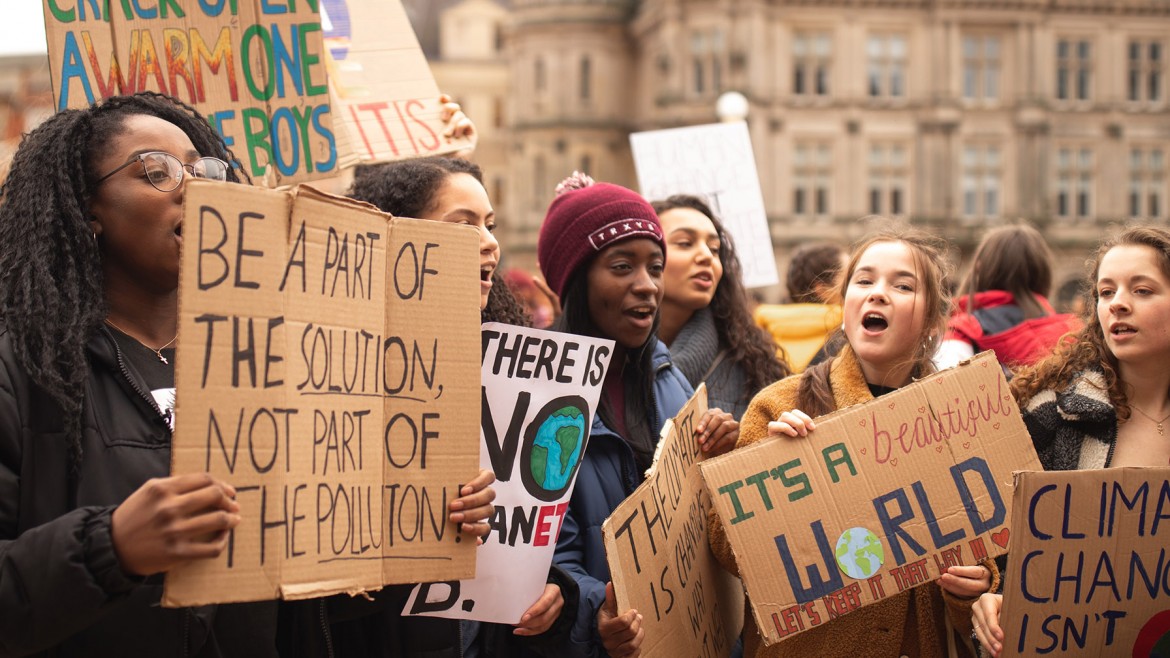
{"x":799,"y":329}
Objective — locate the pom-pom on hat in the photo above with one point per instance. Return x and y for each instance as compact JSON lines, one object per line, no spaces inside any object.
{"x":585,"y":218}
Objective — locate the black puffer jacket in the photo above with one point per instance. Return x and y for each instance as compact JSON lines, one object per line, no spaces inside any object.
{"x":374,"y":628}
{"x":62,"y":592}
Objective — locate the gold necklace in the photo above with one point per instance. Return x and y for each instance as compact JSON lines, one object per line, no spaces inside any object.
{"x":1161,"y":431}
{"x":157,"y":352}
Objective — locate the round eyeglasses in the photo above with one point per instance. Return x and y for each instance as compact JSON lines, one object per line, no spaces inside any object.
{"x":165,"y":171}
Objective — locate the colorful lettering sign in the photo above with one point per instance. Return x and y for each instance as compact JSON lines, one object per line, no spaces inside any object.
{"x":881,"y":497}
{"x":255,"y":68}
{"x":385,"y":100}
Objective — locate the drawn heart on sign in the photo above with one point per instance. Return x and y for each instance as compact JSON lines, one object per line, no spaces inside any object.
{"x":995,"y":426}
{"x":894,"y":461}
{"x":1007,"y":398}
{"x":982,"y":386}
{"x":1001,"y":538}
{"x":966,"y":444}
{"x":938,"y":448}
{"x":861,"y":422}
{"x":984,"y":364}
{"x":891,"y":405}
{"x":863,"y":451}
{"x":921,"y":410}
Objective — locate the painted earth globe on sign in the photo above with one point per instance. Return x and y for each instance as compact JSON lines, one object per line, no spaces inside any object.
{"x":859,"y":553}
{"x":556,"y":448}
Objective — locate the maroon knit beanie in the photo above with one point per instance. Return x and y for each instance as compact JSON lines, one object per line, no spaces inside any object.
{"x":585,"y":218}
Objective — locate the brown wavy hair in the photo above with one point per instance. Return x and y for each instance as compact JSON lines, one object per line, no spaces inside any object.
{"x":1015,"y":259}
{"x":814,"y":396}
{"x":1087,"y":349}
{"x":747,"y":344}
{"x":813,"y":269}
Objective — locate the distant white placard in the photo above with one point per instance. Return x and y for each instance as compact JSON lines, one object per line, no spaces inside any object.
{"x":714,"y":162}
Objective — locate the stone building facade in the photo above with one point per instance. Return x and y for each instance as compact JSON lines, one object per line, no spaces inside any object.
{"x":25,"y":100}
{"x":953,"y":114}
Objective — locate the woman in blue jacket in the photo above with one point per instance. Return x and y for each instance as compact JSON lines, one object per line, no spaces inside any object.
{"x":601,"y":249}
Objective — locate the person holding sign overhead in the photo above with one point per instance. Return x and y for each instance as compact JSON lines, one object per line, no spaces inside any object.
{"x":895,"y":310}
{"x":1103,"y":400}
{"x":705,"y":318}
{"x":91,"y":223}
{"x":601,"y":249}
{"x":451,"y":190}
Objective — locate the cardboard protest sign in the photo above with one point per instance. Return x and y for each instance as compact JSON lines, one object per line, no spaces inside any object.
{"x":714,"y":162}
{"x":656,"y":545}
{"x":882,"y":497}
{"x":255,"y":68}
{"x":1088,"y":573}
{"x":312,"y":376}
{"x":539,"y":394}
{"x":386,"y":103}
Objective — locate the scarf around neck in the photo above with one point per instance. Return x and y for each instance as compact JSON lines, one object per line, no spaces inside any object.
{"x":696,"y":346}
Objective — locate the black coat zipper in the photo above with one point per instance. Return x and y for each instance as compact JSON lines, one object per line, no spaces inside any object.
{"x":186,"y":632}
{"x":325,"y":628}
{"x":133,"y":382}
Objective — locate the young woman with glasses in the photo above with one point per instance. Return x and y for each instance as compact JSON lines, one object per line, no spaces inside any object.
{"x":91,"y":228}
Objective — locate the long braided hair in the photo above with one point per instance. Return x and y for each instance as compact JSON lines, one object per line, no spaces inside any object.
{"x":52,"y":295}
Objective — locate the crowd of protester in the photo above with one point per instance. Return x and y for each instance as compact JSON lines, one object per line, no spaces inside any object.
{"x":90,"y":517}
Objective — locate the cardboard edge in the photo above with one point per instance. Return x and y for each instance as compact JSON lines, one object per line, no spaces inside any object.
{"x":749,"y":608}
{"x":298,"y":591}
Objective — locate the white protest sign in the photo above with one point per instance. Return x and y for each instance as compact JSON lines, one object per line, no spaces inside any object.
{"x":539,"y":391}
{"x":714,"y":162}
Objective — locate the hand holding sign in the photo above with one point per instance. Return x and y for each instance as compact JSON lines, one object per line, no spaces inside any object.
{"x":540,"y":617}
{"x":655,"y":543}
{"x":456,"y":124}
{"x":792,"y":423}
{"x":966,"y":582}
{"x":474,"y":505}
{"x":985,"y":620}
{"x":621,"y":635}
{"x":169,"y":521}
{"x":717,"y":432}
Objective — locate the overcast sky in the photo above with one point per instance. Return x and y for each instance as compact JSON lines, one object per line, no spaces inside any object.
{"x":22,"y":29}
